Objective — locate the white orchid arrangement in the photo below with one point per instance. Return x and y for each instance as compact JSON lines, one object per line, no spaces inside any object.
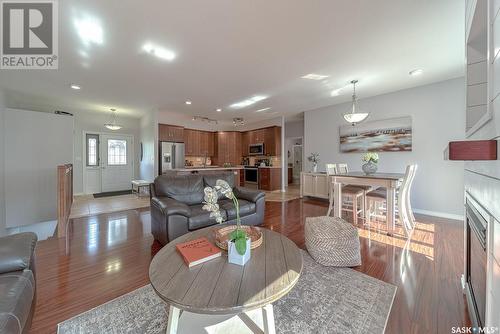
{"x":314,"y":158}
{"x":370,"y":157}
{"x":238,"y":236}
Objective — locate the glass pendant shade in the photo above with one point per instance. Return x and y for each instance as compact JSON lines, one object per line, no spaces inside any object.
{"x":353,"y":116}
{"x":112,"y":125}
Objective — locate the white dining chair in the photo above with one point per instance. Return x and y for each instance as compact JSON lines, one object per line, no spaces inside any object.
{"x":404,"y":211}
{"x":353,"y":197}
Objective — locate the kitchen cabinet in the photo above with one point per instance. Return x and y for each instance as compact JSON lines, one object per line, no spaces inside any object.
{"x":314,"y":185}
{"x":192,"y":142}
{"x":170,"y":133}
{"x":270,"y":137}
{"x":272,"y":141}
{"x":198,"y":143}
{"x":269,"y":178}
{"x":228,"y":147}
{"x":245,"y":141}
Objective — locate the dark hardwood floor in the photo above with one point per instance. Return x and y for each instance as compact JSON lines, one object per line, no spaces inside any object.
{"x":108,"y":255}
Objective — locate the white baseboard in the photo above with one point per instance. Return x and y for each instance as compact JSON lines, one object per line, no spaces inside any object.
{"x":439,"y":214}
{"x":79,"y":194}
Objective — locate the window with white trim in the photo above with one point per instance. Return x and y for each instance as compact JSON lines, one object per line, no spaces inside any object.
{"x":117,"y":152}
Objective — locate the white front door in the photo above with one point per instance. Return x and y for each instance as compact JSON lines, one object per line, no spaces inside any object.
{"x":117,"y":165}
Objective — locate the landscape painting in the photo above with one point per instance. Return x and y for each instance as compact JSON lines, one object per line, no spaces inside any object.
{"x":389,"y":135}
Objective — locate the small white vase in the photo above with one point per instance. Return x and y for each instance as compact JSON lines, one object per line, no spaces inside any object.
{"x":234,"y":257}
{"x":315,"y":168}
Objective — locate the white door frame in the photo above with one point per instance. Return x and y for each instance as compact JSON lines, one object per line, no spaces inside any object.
{"x":84,"y":154}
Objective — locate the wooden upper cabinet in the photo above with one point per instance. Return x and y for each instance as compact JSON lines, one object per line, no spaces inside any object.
{"x":170,"y":133}
{"x":270,"y":137}
{"x":228,"y":147}
{"x":199,"y":143}
{"x":245,"y":141}
{"x":272,"y":141}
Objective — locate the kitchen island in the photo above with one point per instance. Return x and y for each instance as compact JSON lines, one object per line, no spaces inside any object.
{"x":237,"y":170}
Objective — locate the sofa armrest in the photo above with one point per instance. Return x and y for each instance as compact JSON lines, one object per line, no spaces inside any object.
{"x":169,"y":206}
{"x":250,"y":195}
{"x":16,"y":251}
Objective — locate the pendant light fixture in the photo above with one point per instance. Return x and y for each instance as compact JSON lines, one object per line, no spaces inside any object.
{"x":354,"y":116}
{"x":112,"y":125}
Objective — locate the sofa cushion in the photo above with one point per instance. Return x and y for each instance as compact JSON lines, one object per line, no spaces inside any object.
{"x":201,"y":218}
{"x":246,"y":208}
{"x":187,"y":189}
{"x":17,"y":290}
{"x":16,"y":251}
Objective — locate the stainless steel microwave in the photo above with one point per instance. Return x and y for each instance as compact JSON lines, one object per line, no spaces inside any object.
{"x":256,"y":149}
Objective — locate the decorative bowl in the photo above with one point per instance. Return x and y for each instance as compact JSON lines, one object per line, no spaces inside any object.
{"x":221,"y":236}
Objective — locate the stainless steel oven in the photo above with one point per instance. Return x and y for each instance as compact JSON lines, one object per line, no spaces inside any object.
{"x":256,"y":149}
{"x":251,"y":175}
{"x":475,"y":263}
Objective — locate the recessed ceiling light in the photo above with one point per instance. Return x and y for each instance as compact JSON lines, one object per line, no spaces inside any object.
{"x":263,"y":109}
{"x":158,"y":51}
{"x":416,"y":72}
{"x":248,"y":102}
{"x":188,"y":102}
{"x":76,"y":87}
{"x":313,"y":76}
{"x":218,"y":110}
{"x":89,"y":30}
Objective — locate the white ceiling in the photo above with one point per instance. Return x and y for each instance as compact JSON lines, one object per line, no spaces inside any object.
{"x":229,"y":50}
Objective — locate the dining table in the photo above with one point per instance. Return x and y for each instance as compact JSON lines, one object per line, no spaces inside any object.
{"x":390,"y":181}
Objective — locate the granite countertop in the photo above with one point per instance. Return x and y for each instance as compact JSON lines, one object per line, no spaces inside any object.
{"x":270,"y":167}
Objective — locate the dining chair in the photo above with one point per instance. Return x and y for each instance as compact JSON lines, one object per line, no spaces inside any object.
{"x":351,"y":195}
{"x":403,"y":207}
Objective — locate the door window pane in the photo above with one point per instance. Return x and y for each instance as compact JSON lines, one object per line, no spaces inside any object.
{"x":92,"y":150}
{"x":117,"y":152}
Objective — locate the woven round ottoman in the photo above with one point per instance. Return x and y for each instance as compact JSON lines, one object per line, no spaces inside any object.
{"x":332,"y":241}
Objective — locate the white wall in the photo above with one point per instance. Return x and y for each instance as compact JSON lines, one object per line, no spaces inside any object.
{"x":94,"y":122}
{"x":437,"y":112}
{"x":147,"y":138}
{"x":35,"y":143}
{"x":2,"y":159}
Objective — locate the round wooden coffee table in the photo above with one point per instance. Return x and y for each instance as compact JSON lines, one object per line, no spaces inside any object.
{"x":219,"y":287}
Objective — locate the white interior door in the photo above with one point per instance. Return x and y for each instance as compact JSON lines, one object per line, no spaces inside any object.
{"x":117,"y":164}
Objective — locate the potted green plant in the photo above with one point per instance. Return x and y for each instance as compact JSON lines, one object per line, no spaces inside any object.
{"x":314,"y":159}
{"x":370,"y":160}
{"x":238,"y":243}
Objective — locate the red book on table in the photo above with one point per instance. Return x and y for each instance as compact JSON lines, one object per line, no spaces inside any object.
{"x":198,"y":251}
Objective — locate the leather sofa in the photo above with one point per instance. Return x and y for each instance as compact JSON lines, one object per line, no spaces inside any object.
{"x":17,"y":282}
{"x":176,"y":204}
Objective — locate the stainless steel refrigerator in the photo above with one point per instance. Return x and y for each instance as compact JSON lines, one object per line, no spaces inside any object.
{"x":172,"y":156}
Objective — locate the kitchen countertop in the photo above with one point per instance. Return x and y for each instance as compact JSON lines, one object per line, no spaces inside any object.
{"x":270,"y":167}
{"x":192,"y":168}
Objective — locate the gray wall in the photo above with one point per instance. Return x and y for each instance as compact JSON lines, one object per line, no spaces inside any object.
{"x":437,"y":117}
{"x":2,"y":159}
{"x":35,"y":143}
{"x":92,"y":121}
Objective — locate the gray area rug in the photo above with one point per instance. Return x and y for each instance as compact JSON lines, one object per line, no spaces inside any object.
{"x":325,"y":300}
